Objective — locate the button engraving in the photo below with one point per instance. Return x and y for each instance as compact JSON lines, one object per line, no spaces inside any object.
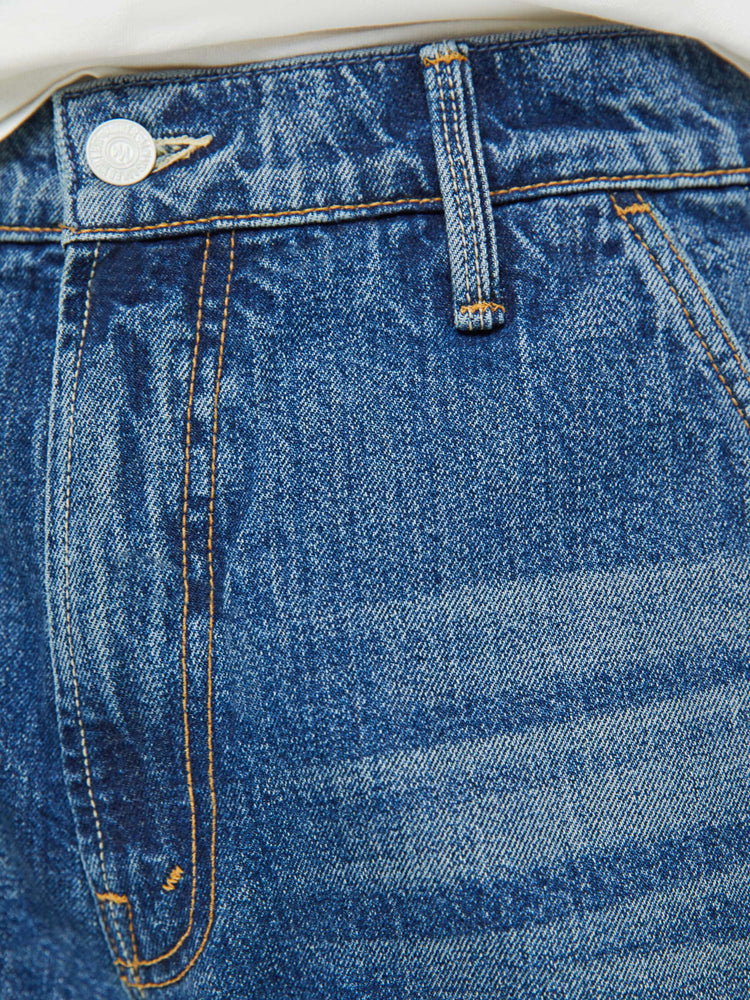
{"x":121,"y":152}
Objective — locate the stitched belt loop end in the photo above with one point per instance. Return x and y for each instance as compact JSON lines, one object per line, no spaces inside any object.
{"x":472,"y":247}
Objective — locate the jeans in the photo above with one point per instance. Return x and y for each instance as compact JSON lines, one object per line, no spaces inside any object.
{"x":375,"y":530}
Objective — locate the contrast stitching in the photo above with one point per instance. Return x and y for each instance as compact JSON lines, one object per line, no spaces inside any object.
{"x":67,"y":598}
{"x":171,"y":881}
{"x":211,"y":604}
{"x":735,"y":353}
{"x":106,"y":925}
{"x":433,"y":199}
{"x":211,"y":619}
{"x":110,"y":897}
{"x":136,"y":973}
{"x":136,"y":963}
{"x":620,"y":177}
{"x":454,"y":179}
{"x":259,"y":215}
{"x":629,"y":209}
{"x":632,"y":209}
{"x":468,"y":194}
{"x":120,"y":900}
{"x":444,"y":57}
{"x":481,"y":306}
{"x":32,"y":229}
{"x":183,"y":646}
{"x":185,"y":607}
{"x":684,"y":308}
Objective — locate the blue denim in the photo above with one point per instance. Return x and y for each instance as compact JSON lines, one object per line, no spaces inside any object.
{"x":375,"y":530}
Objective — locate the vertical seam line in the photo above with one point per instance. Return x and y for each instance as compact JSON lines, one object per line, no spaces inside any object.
{"x":209,"y":668}
{"x":67,"y":598}
{"x":112,"y":898}
{"x":454,"y":179}
{"x":122,"y":900}
{"x":183,"y":647}
{"x":470,"y":199}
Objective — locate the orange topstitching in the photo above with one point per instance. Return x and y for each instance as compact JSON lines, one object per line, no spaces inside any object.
{"x":294,"y":212}
{"x":469,"y":198}
{"x":140,"y":963}
{"x":688,"y":270}
{"x":684,"y":308}
{"x":183,"y":647}
{"x":454,"y":180}
{"x":481,"y":306}
{"x":444,"y":57}
{"x":170,"y":883}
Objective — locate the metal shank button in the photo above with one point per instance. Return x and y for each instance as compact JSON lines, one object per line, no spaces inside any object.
{"x":121,"y":152}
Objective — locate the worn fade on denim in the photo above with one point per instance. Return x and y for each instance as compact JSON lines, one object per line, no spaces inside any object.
{"x":374,"y":538}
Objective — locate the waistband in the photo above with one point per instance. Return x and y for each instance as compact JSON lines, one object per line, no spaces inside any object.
{"x":348,"y":135}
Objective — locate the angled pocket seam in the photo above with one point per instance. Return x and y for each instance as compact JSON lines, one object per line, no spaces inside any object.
{"x":641,"y":207}
{"x":688,"y":270}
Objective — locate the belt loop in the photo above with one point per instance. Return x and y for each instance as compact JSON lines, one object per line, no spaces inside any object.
{"x":472,"y":248}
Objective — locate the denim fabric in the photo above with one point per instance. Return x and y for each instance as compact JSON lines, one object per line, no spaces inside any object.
{"x":346,"y":654}
{"x":467,"y":209}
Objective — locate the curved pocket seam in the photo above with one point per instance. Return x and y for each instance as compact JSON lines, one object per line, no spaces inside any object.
{"x":137,"y":963}
{"x":122,"y":959}
{"x":115,"y":908}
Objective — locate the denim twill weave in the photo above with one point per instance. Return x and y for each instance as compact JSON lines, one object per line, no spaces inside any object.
{"x":463,"y":186}
{"x":357,"y":645}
